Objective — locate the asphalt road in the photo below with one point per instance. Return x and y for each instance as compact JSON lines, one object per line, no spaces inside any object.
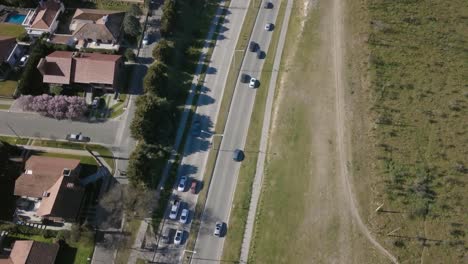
{"x":209,"y":248}
{"x":208,"y":104}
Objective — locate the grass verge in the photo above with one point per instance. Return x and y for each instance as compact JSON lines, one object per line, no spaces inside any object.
{"x":14,"y":140}
{"x":4,"y":107}
{"x":123,"y":253}
{"x":8,"y":87}
{"x":242,"y":196}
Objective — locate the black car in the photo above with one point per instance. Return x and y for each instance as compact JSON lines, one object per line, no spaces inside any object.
{"x":268,"y":5}
{"x":238,"y":155}
{"x":253,"y":46}
{"x":245,"y":78}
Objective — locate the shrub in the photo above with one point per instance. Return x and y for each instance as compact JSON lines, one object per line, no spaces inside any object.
{"x":56,"y":89}
{"x":129,"y":55}
{"x":24,"y":37}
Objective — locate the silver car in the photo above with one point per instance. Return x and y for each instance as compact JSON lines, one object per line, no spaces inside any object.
{"x":178,"y":237}
{"x":218,"y":229}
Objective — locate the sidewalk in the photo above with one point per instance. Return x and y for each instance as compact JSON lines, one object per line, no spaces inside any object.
{"x":257,"y":184}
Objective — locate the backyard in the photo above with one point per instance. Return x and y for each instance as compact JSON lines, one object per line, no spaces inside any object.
{"x":12,"y":30}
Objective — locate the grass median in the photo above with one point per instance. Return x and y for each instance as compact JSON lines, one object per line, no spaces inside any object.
{"x":242,"y":196}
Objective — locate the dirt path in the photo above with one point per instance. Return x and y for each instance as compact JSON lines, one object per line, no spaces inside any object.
{"x":343,"y":153}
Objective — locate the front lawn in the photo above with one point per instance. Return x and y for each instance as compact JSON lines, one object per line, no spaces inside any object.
{"x":11,"y":30}
{"x":8,"y":87}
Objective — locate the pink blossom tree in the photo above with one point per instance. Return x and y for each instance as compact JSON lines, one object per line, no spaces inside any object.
{"x":59,"y":107}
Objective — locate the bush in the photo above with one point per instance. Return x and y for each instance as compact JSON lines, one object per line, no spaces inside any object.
{"x":129,"y":55}
{"x":56,"y":89}
{"x":134,"y":10}
{"x":24,"y":37}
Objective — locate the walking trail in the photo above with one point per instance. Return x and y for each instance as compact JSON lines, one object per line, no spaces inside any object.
{"x":340,"y":126}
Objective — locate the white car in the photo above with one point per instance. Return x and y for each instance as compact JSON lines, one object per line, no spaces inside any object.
{"x":23,"y":60}
{"x":145,"y":39}
{"x":174,"y":209}
{"x":184,"y":216}
{"x":182,"y":184}
{"x":252,"y":82}
{"x":178,"y":237}
{"x":268,"y":26}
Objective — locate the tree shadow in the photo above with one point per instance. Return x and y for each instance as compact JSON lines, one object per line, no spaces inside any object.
{"x":200,"y":132}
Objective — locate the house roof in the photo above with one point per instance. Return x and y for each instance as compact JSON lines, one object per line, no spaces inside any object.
{"x":57,"y":67}
{"x":46,"y":13}
{"x":97,"y":24}
{"x":45,"y":175}
{"x":7,"y":44}
{"x":33,"y":252}
{"x":45,"y":172}
{"x":65,"y":67}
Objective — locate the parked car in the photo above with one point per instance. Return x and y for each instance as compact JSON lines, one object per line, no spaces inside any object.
{"x":245,"y":78}
{"x":95,"y":102}
{"x":145,"y":39}
{"x":253,"y":46}
{"x":174,"y":209}
{"x":238,"y":155}
{"x":184,"y":216}
{"x":268,"y":26}
{"x":77,"y":138}
{"x":23,"y":61}
{"x":268,"y":5}
{"x":182,"y":184}
{"x":253,"y":82}
{"x":194,"y":187}
{"x":259,"y":54}
{"x":196,"y":129}
{"x":218,"y":229}
{"x":178,"y":237}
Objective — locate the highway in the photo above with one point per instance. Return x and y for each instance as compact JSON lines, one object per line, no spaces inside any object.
{"x":209,"y":101}
{"x":209,"y":248}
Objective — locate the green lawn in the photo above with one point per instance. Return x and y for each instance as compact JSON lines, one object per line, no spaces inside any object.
{"x":242,"y":196}
{"x":12,"y":30}
{"x":4,"y":107}
{"x":7,"y":87}
{"x":14,"y":140}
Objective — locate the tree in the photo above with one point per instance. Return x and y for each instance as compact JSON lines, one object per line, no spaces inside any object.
{"x":153,"y":120}
{"x":129,"y":55}
{"x":155,"y":80}
{"x":59,"y":107}
{"x":134,"y":10}
{"x":168,"y":18}
{"x":23,"y":37}
{"x":31,"y":79}
{"x":162,"y":51}
{"x":146,"y":164}
{"x":131,"y":26}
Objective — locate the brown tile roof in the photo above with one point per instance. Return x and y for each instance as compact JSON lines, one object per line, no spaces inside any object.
{"x":56,"y":68}
{"x":6,"y":46}
{"x":64,"y":193}
{"x":97,"y":24}
{"x":45,"y":14}
{"x":33,"y":252}
{"x":65,"y":67}
{"x":96,"y":68}
{"x":46,"y":171}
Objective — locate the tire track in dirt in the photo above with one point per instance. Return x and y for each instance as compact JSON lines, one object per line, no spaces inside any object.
{"x":340,"y":126}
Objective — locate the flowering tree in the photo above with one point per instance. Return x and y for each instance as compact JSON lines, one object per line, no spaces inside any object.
{"x":59,"y":106}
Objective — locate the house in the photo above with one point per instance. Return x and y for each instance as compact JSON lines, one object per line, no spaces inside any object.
{"x":31,"y":252}
{"x":99,"y":29}
{"x":66,"y":67}
{"x":10,"y":51}
{"x":48,"y":190}
{"x":44,"y":19}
